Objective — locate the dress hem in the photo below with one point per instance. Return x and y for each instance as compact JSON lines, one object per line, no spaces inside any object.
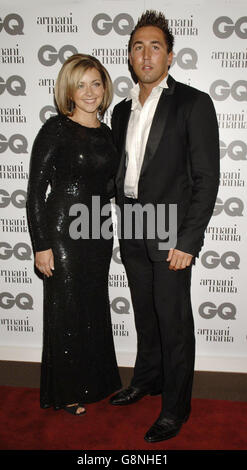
{"x":99,"y":398}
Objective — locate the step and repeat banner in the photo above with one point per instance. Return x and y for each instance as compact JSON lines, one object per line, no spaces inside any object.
{"x":210,"y":54}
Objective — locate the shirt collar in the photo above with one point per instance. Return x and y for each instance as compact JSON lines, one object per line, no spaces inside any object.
{"x":134,"y":92}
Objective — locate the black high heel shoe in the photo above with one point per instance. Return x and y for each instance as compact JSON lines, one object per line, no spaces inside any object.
{"x":72,"y":409}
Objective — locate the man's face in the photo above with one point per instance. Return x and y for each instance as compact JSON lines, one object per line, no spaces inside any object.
{"x":148,"y":56}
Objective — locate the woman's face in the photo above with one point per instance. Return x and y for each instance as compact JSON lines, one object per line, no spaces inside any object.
{"x":89,"y":93}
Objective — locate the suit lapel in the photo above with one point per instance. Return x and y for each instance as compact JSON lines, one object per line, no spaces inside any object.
{"x":159,"y":122}
{"x":156,"y":130}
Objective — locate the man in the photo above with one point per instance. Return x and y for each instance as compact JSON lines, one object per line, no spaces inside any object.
{"x":167,"y":136}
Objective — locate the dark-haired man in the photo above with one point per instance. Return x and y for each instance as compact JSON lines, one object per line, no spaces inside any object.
{"x":167,"y":135}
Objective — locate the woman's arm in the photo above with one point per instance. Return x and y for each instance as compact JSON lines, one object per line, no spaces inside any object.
{"x":41,"y":164}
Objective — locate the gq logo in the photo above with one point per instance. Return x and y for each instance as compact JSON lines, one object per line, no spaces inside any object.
{"x":122,"y":24}
{"x":17,"y":143}
{"x":46,"y":112}
{"x":48,"y":55}
{"x":120,"y":305}
{"x":116,"y":255}
{"x":13,"y":24}
{"x":18,"y":198}
{"x":224,"y":27}
{"x":21,"y":251}
{"x":122,"y":86}
{"x":186,"y":58}
{"x":226,"y":311}
{"x":15,"y":85}
{"x":232,"y":207}
{"x":220,"y":90}
{"x":23,"y":300}
{"x":229,"y":260}
{"x":236,"y":150}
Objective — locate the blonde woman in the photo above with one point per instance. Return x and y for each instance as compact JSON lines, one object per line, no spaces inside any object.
{"x":74,"y":154}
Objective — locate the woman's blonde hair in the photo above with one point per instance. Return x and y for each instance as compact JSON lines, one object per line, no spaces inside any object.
{"x":69,"y":77}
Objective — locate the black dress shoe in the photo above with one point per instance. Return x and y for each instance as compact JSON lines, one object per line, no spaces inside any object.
{"x":127,"y":396}
{"x":155,"y":392}
{"x":163,"y":429}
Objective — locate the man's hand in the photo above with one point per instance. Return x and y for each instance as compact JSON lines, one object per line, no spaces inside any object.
{"x":178,"y":259}
{"x":44,"y":261}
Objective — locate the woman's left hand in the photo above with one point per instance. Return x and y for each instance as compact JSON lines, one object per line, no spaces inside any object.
{"x":44,"y":261}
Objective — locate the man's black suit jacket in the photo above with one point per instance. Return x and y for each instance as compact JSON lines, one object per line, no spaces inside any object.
{"x":181,"y":161}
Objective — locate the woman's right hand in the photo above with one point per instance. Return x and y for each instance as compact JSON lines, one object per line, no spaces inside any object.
{"x":44,"y":261}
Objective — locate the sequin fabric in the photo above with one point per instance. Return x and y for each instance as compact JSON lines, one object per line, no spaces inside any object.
{"x":78,"y":360}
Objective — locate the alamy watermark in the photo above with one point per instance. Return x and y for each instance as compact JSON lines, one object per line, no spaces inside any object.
{"x":133,"y":221}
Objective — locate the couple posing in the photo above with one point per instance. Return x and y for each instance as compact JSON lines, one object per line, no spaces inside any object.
{"x":163,"y":149}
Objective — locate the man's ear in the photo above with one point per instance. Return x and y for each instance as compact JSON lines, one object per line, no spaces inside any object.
{"x":170,"y":58}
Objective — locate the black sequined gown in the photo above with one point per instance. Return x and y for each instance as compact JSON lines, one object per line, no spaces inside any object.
{"x":78,"y":360}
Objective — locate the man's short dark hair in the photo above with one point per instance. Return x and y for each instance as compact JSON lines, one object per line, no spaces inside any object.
{"x":157,"y":19}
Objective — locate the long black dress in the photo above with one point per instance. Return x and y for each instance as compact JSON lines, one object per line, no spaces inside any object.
{"x":78,"y":360}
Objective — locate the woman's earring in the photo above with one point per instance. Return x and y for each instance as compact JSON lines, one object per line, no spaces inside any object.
{"x":100,"y":109}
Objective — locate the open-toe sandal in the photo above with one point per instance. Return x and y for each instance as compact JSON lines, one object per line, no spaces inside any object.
{"x":73,"y":410}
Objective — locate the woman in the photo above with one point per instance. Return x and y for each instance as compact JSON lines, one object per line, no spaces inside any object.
{"x":73,"y":152}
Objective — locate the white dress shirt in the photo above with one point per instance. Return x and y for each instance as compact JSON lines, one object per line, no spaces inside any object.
{"x":140,"y":121}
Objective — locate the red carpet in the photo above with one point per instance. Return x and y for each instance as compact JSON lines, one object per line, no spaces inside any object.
{"x":214,"y":425}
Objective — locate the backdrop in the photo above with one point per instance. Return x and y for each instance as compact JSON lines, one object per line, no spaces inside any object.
{"x":210,"y":54}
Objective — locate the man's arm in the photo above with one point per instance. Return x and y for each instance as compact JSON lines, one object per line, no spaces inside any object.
{"x":203,"y":141}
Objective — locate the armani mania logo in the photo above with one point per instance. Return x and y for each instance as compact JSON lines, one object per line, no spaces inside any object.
{"x":111,"y":56}
{"x":15,"y":276}
{"x":12,"y":115}
{"x":231,"y":179}
{"x":11,"y":55}
{"x":223,"y":233}
{"x":232,"y":120}
{"x":19,"y":225}
{"x":213,"y":335}
{"x":119,"y":329}
{"x":230,"y":59}
{"x":58,"y":24}
{"x":183,"y":26}
{"x":47,"y":83}
{"x":118,"y":279}
{"x":223,"y":286}
{"x":14,"y":325}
